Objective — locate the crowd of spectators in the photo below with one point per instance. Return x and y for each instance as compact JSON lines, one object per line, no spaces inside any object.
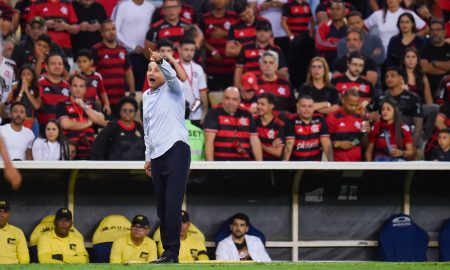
{"x":297,"y":80}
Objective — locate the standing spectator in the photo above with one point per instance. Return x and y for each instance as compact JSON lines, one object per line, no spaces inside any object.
{"x":194,"y":88}
{"x":113,"y":64}
{"x":347,"y":129}
{"x":386,"y":21}
{"x":95,"y":87}
{"x":187,"y":12}
{"x":323,"y":9}
{"x":90,"y":14}
{"x":435,"y":56}
{"x":248,"y":89}
{"x":269,"y":82}
{"x":77,"y":117}
{"x":18,"y":139}
{"x":215,"y":25}
{"x":329,"y":33}
{"x":13,"y":245}
{"x":443,"y":93}
{"x":26,"y":91}
{"x":7,"y":27}
{"x":442,"y":152}
{"x":52,"y":145}
{"x":122,"y":139}
{"x":404,"y":39}
{"x":230,"y":132}
{"x":52,"y":89}
{"x":270,"y":128}
{"x":307,"y":136}
{"x":318,"y":86}
{"x":248,"y":60}
{"x":7,"y":75}
{"x":20,"y":17}
{"x":299,"y":24}
{"x":136,"y":15}
{"x":390,"y":139}
{"x":60,"y":20}
{"x":442,"y":122}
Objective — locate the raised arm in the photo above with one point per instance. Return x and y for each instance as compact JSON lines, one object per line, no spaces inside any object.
{"x":169,"y":73}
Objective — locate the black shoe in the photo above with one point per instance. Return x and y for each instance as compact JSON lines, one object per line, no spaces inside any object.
{"x":166,"y":259}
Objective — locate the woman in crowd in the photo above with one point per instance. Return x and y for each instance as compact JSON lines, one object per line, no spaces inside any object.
{"x":52,"y":145}
{"x":390,"y":139}
{"x":406,"y":38}
{"x":318,"y":86}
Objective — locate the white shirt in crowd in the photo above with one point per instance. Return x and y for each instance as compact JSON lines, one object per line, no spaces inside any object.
{"x":192,"y":87}
{"x":8,"y":76}
{"x":45,"y":150}
{"x":388,"y":28}
{"x":273,"y":15}
{"x":227,"y":251}
{"x":17,"y":143}
{"x":132,"y":22}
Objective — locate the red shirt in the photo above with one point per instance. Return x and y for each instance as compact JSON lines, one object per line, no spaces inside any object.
{"x":94,"y":86}
{"x":163,"y":29}
{"x":298,"y":16}
{"x":244,"y":33}
{"x":250,"y":53}
{"x":268,"y":133}
{"x":108,"y":5}
{"x":281,"y":88}
{"x":51,"y":95}
{"x":344,"y":83}
{"x":377,"y":136}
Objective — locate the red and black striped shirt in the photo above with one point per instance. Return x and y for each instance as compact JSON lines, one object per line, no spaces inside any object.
{"x":94,"y":86}
{"x":233,"y":133}
{"x":298,"y":16}
{"x":186,"y":12}
{"x":209,"y":24}
{"x":112,"y":64}
{"x":51,"y":95}
{"x":244,"y":33}
{"x":163,"y":29}
{"x":344,"y":83}
{"x":268,"y":133}
{"x":83,"y":138}
{"x":250,"y":53}
{"x":307,"y":146}
{"x":281,"y":88}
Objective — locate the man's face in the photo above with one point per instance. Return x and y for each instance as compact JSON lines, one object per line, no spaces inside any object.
{"x":55,"y":65}
{"x":18,"y":115}
{"x":84,"y":63}
{"x":220,"y":4}
{"x":354,"y":42}
{"x":444,"y":140}
{"x":305,"y":108}
{"x":393,"y":79}
{"x":437,"y":34}
{"x":268,"y":66}
{"x":247,"y":15}
{"x":263,"y":106}
{"x":171,"y":10}
{"x":337,"y":11}
{"x":165,"y":51}
{"x":41,"y":46}
{"x":8,"y":49}
{"x":263,"y":36}
{"x":62,"y":226}
{"x":109,"y":32}
{"x":78,"y":88}
{"x":36,"y":30}
{"x":356,"y":22}
{"x":4,"y":217}
{"x":238,"y":228}
{"x":138,"y":232}
{"x":356,"y":66}
{"x":187,"y":52}
{"x":231,"y":100}
{"x":127,"y":112}
{"x":350,"y":104}
{"x":247,"y":94}
{"x":155,"y":77}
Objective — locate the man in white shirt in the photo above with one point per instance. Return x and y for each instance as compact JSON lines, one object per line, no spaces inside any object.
{"x":7,"y":78}
{"x":18,"y":139}
{"x":240,"y":246}
{"x":195,"y":88}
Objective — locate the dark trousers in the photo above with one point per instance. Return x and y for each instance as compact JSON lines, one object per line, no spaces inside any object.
{"x":139,"y":64}
{"x":170,"y":173}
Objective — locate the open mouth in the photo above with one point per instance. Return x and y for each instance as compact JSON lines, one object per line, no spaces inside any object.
{"x":152,"y":80}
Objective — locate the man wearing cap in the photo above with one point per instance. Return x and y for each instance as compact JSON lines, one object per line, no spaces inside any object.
{"x":61,"y":246}
{"x":13,"y":245}
{"x":249,"y":86}
{"x":135,"y":247}
{"x":191,"y":249}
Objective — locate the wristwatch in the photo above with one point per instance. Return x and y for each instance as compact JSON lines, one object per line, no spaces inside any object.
{"x":160,"y":61}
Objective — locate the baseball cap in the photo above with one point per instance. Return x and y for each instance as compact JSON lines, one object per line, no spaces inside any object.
{"x":263,"y":25}
{"x":38,"y":19}
{"x":140,"y":220}
{"x":249,"y":82}
{"x":4,"y":205}
{"x":63,"y":213}
{"x":185,"y":217}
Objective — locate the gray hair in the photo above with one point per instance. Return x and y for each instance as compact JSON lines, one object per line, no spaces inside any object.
{"x":270,"y":53}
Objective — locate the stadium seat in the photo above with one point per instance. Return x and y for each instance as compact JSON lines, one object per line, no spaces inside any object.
{"x":444,"y":242}
{"x":401,"y":240}
{"x":109,"y":229}
{"x":224,"y":231}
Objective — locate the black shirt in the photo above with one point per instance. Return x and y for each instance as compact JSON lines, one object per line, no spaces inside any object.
{"x":340,"y":65}
{"x":326,"y":94}
{"x":440,"y":155}
{"x":430,"y":53}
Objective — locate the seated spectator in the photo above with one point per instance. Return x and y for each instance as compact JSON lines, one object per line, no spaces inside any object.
{"x":122,"y":139}
{"x":248,"y":59}
{"x":135,"y":247}
{"x":270,"y":82}
{"x":240,"y":246}
{"x":307,"y":135}
{"x":442,"y":152}
{"x":191,"y":247}
{"x":270,"y":128}
{"x":18,"y":139}
{"x":40,"y":53}
{"x":329,"y":33}
{"x":60,"y":245}
{"x":230,"y":132}
{"x":248,"y":89}
{"x":352,"y":79}
{"x":442,"y":122}
{"x":354,"y":43}
{"x":390,"y":139}
{"x":406,"y":38}
{"x":408,"y":103}
{"x":52,"y":145}
{"x":77,"y":117}
{"x":196,"y":138}
{"x":13,"y":245}
{"x":318,"y":86}
{"x":347,"y":129}
{"x":26,"y":91}
{"x":95,"y":91}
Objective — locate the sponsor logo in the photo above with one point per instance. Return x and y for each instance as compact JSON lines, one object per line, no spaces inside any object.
{"x":401,"y":222}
